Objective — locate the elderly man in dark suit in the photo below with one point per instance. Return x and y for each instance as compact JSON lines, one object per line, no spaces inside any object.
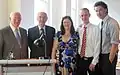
{"x":13,"y":39}
{"x":40,"y":38}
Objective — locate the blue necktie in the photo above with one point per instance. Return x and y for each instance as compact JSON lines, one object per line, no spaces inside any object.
{"x":18,"y":37}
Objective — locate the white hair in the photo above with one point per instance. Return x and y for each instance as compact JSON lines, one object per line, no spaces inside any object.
{"x":13,"y":13}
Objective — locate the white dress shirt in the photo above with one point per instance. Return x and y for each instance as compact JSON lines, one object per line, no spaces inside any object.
{"x":43,"y":29}
{"x":92,"y":41}
{"x":13,"y":29}
{"x":110,"y":34}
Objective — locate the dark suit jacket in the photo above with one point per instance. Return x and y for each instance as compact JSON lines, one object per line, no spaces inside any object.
{"x":8,"y":42}
{"x":33,"y":34}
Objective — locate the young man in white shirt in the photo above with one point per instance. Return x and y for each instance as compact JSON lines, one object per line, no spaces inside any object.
{"x":110,"y":40}
{"x":86,"y":63}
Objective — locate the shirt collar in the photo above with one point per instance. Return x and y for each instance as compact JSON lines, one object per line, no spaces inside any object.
{"x":13,"y":28}
{"x":82,"y":25}
{"x":106,"y":17}
{"x":40,"y":27}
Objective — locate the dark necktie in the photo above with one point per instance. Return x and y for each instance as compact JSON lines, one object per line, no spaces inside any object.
{"x":18,"y":37}
{"x":101,"y":37}
{"x":82,"y":53}
{"x":43,"y":37}
{"x":43,"y":32}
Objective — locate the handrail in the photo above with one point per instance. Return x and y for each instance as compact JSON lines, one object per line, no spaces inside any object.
{"x":26,"y":61}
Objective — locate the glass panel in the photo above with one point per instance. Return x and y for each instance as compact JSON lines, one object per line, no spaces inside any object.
{"x":73,"y":16}
{"x":73,"y":10}
{"x":73,"y":4}
{"x":39,"y":5}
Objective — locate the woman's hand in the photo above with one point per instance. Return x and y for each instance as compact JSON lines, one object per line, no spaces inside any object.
{"x":54,"y":61}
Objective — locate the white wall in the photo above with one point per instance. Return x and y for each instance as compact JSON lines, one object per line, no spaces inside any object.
{"x":13,"y":5}
{"x":59,"y":8}
{"x":3,"y":13}
{"x":112,"y":9}
{"x":90,"y":5}
{"x":26,"y":7}
{"x":80,"y":5}
{"x":6,"y":7}
{"x":57,"y":12}
{"x":27,"y":10}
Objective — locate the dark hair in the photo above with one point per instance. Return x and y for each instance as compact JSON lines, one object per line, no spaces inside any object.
{"x":101,"y":3}
{"x":72,"y":30}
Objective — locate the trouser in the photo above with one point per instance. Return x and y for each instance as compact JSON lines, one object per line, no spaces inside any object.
{"x":105,"y":67}
{"x":83,"y":66}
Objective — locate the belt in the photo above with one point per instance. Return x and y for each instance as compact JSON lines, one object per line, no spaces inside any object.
{"x":107,"y":53}
{"x":86,"y":58}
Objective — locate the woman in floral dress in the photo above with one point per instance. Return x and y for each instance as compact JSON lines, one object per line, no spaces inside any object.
{"x":65,"y":48}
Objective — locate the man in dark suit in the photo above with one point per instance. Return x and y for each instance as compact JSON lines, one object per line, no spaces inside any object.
{"x":13,"y":39}
{"x":40,"y":38}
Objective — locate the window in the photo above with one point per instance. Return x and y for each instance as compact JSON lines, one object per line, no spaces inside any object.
{"x":40,"y":5}
{"x":93,"y":18}
{"x":74,"y":11}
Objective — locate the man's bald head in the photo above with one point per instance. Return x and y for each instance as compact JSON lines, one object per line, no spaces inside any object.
{"x":15,"y":19}
{"x":42,"y":18}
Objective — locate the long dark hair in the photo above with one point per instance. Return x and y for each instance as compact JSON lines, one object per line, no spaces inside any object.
{"x":72,"y":30}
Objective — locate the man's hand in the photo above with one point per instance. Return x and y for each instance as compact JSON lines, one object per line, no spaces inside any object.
{"x":92,"y":67}
{"x":113,"y":51}
{"x":111,"y":60}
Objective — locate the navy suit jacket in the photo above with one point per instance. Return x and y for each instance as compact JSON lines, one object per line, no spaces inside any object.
{"x":33,"y":34}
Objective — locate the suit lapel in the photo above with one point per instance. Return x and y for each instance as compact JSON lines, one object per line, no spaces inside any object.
{"x":46,"y":31}
{"x":37,"y":32}
{"x":11,"y":33}
{"x":11,"y":36}
{"x":22,"y":35}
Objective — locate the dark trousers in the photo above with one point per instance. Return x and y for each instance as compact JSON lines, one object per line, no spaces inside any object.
{"x":105,"y":67}
{"x":83,"y":66}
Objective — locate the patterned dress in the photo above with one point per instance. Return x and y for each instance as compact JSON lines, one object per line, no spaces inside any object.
{"x":66,"y":55}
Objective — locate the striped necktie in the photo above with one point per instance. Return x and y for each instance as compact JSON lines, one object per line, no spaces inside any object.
{"x":18,"y":37}
{"x":42,"y":33}
{"x":82,"y":53}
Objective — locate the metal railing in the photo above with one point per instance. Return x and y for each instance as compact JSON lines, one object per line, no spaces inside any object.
{"x":25,"y":61}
